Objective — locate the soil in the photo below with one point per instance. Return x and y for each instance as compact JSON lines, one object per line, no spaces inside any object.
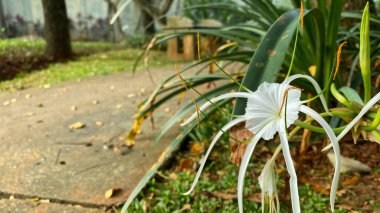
{"x":357,"y":191}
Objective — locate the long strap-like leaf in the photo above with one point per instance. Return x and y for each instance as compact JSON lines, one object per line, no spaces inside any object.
{"x":267,"y":60}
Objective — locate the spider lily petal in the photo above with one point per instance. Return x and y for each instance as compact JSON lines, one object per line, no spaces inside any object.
{"x":209,"y":103}
{"x":365,"y":109}
{"x":335,"y":145}
{"x":244,"y":164}
{"x":264,"y":106}
{"x":313,"y":82}
{"x":267,"y":182}
{"x":216,"y":138}
{"x":292,"y":172}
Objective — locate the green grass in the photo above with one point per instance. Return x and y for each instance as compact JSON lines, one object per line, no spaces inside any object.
{"x":164,"y":192}
{"x":35,"y":47}
{"x":87,"y":66}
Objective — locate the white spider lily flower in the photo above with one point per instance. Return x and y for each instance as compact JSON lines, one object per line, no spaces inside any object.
{"x":265,"y":116}
{"x":267,"y":182}
{"x":362,"y":112}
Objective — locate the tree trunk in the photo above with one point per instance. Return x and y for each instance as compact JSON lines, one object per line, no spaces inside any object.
{"x":56,"y":30}
{"x":152,"y":12}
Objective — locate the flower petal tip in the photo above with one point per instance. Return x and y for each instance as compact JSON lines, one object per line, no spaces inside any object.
{"x":327,"y":148}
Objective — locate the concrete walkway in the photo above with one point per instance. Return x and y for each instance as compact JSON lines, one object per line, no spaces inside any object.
{"x":47,"y":167}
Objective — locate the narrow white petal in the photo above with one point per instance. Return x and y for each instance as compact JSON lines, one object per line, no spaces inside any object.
{"x":292,"y":172}
{"x":216,"y":99}
{"x":365,"y":109}
{"x":217,"y":136}
{"x":313,"y":82}
{"x":335,"y":145}
{"x":244,"y":164}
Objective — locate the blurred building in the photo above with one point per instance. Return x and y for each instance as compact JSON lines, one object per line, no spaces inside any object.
{"x":88,"y":19}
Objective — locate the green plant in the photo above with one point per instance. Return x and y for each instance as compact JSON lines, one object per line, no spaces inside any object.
{"x":313,"y":53}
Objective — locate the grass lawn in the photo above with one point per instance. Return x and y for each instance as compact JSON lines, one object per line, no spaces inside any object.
{"x":33,"y":46}
{"x":105,"y":58}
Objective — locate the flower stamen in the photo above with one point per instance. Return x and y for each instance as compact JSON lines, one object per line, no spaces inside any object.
{"x":338,"y":58}
{"x":284,"y":97}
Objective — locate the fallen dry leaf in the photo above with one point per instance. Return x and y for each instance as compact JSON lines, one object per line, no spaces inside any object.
{"x":77,"y":125}
{"x":238,"y":135}
{"x":6,"y":103}
{"x":225,"y":196}
{"x":351,"y":181}
{"x":73,"y":108}
{"x":186,"y":164}
{"x":95,"y":102}
{"x":13,"y":100}
{"x":99,"y":123}
{"x":109,"y":193}
{"x":27,"y":96}
{"x":30,"y":113}
{"x":36,"y":199}
{"x":196,"y":148}
{"x":131,"y":95}
{"x":316,"y":186}
{"x":186,"y":207}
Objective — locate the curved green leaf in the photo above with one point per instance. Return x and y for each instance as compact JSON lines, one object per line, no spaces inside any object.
{"x":267,"y":60}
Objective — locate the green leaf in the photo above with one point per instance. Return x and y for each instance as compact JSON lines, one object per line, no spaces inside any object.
{"x":364,"y":54}
{"x":267,"y":60}
{"x":351,"y":95}
{"x":190,"y":107}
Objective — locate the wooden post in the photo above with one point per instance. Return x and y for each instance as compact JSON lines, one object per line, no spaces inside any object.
{"x":188,"y":40}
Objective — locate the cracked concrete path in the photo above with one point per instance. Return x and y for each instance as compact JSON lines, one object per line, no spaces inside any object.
{"x":47,"y":167}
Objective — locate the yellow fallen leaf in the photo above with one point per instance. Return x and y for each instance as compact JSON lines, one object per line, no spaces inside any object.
{"x":46,"y":86}
{"x":13,"y":100}
{"x":99,"y":123}
{"x":6,"y":103}
{"x":109,"y":193}
{"x":27,"y":96}
{"x":95,"y":102}
{"x":30,"y":113}
{"x":34,"y":199}
{"x":73,"y":108}
{"x":77,"y":125}
{"x":186,"y":207}
{"x":45,"y":201}
{"x":131,"y":95}
{"x":313,"y":70}
{"x":130,"y":139}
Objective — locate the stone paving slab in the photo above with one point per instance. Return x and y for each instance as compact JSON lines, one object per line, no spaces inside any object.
{"x":42,"y":157}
